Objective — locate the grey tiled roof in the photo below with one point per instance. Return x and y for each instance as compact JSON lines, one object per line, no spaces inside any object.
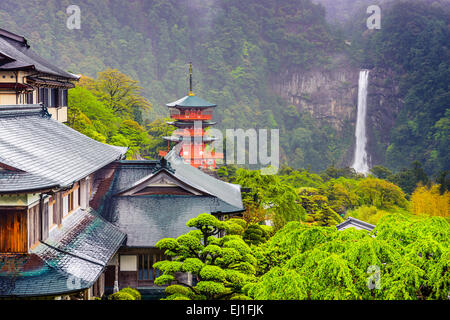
{"x":47,"y":152}
{"x":355,"y":223}
{"x":22,"y":57}
{"x":148,"y":218}
{"x":71,"y":259}
{"x":228,"y":192}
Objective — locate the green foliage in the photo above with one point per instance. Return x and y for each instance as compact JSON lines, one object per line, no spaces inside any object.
{"x":409,"y":256}
{"x":243,"y":45}
{"x":370,"y":214}
{"x":133,"y":292}
{"x":413,"y":43}
{"x":105,"y":110}
{"x":268,"y":194}
{"x":221,"y":266}
{"x":255,"y":235}
{"x":380,"y":193}
{"x":125,"y":294}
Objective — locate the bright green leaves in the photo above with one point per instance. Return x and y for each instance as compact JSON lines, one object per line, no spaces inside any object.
{"x":206,"y":222}
{"x":192,"y":265}
{"x":213,"y":273}
{"x":210,"y":288}
{"x":221,"y":265}
{"x":403,"y":258}
{"x":169,"y":267}
{"x":164,"y":279}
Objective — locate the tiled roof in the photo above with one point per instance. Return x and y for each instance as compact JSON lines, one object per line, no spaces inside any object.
{"x":227,"y":192}
{"x":355,"y":223}
{"x":70,"y":260}
{"x":191,"y":102}
{"x":20,"y":56}
{"x":47,"y":152}
{"x":148,"y":218}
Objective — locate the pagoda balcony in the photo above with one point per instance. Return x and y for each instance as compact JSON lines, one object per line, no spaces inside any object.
{"x":190,"y":132}
{"x":190,"y":115}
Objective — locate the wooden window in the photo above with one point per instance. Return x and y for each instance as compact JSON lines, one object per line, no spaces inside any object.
{"x":70,"y":198}
{"x":54,"y":97}
{"x":65,"y":97}
{"x":45,"y":221}
{"x":30,"y":98}
{"x":13,"y":231}
{"x":44,"y":96}
{"x":34,"y":225}
{"x":79,"y":195}
{"x":145,"y":266}
{"x":71,"y":202}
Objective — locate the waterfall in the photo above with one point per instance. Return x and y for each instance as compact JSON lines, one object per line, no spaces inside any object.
{"x":361,"y":161}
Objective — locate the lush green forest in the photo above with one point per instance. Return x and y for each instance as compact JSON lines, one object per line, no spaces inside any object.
{"x":413,"y":42}
{"x":303,"y":256}
{"x":237,"y":48}
{"x":134,"y":57}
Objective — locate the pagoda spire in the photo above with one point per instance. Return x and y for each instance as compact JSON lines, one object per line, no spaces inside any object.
{"x":190,"y":80}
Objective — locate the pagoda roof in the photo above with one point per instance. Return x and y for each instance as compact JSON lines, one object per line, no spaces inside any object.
{"x":191,"y":101}
{"x":38,"y":152}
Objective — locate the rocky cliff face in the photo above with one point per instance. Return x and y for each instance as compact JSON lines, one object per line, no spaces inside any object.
{"x":327,"y":94}
{"x":383,"y":103}
{"x":332,"y":95}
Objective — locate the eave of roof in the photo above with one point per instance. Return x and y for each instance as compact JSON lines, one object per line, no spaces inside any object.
{"x":16,"y":47}
{"x":191,"y":102}
{"x":355,"y":222}
{"x":228,"y":192}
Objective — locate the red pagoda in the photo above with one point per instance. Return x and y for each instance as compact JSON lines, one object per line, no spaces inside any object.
{"x":192,"y":116}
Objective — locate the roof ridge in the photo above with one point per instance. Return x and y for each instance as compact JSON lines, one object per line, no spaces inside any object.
{"x":22,"y":110}
{"x":13,"y":36}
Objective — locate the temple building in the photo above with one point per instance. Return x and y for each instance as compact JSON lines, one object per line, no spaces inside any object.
{"x":192,"y":116}
{"x":26,"y":78}
{"x":150,"y":200}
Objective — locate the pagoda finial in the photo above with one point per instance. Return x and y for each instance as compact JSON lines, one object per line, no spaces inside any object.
{"x":190,"y":80}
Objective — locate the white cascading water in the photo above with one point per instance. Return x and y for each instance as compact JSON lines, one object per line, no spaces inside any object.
{"x":361,"y":161}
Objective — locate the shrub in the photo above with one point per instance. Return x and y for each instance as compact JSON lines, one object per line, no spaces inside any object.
{"x":133,"y":292}
{"x":121,"y":296}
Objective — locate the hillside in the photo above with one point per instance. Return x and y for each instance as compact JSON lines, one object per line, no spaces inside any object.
{"x":266,"y":64}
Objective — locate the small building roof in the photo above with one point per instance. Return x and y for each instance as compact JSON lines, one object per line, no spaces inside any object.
{"x":355,"y":223}
{"x":191,"y":102}
{"x":70,"y":260}
{"x":45,"y":153}
{"x":17,"y":55}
